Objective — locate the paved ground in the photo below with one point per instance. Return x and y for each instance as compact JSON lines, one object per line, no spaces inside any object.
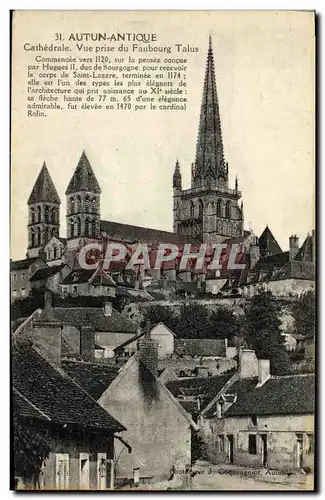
{"x":231,"y":478}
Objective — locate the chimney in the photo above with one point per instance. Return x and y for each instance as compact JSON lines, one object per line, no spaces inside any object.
{"x":87,"y":343}
{"x":47,"y":332}
{"x":293,"y":246}
{"x":148,"y":350}
{"x":263,"y":371}
{"x":248,"y":363}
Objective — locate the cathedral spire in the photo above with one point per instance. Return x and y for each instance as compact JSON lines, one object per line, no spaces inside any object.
{"x":177,"y":177}
{"x":209,"y":162}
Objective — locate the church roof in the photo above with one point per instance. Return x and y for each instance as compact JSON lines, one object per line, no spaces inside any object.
{"x":83,"y":178}
{"x":44,"y":189}
{"x":268,"y":244}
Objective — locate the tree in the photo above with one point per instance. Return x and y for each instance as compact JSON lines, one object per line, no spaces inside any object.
{"x":224,"y":323}
{"x":262,"y":332}
{"x":158,"y":313}
{"x":304,"y":314}
{"x":194,"y":322}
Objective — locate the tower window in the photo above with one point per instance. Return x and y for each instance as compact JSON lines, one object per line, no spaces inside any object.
{"x":200,"y":209}
{"x":47,"y":214}
{"x":192,"y":209}
{"x":93,"y":228}
{"x":78,"y":227}
{"x":72,"y":205}
{"x":87,"y":227}
{"x":39,"y":214}
{"x":93,"y":204}
{"x":71,"y":229}
{"x":32,"y":238}
{"x":78,"y":204}
{"x":87,"y":200}
{"x":32,"y":215}
{"x":228,"y":209}
{"x":46,"y":235}
{"x":54,"y":216}
{"x":219,"y":208}
{"x":38,"y":236}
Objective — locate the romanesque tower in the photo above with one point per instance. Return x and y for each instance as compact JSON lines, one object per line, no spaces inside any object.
{"x":209,"y":210}
{"x":83,"y":203}
{"x":43,"y":213}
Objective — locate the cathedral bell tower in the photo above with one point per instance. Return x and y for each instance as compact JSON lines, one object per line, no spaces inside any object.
{"x":43,"y":213}
{"x":83,"y":204}
{"x":209,"y":210}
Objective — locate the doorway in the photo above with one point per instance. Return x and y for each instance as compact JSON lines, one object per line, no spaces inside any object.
{"x":264,"y":449}
{"x":300,"y":450}
{"x":230,"y":438}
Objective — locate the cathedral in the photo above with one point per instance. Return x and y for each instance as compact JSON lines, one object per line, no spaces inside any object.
{"x":207,"y":212}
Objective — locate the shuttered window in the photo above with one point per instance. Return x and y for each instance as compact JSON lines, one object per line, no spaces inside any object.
{"x":62,"y":471}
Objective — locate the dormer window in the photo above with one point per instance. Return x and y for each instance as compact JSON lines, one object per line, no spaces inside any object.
{"x":220,"y":408}
{"x":254,"y":420}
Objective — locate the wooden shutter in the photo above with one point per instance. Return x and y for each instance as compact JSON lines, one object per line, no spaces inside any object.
{"x":62,"y":471}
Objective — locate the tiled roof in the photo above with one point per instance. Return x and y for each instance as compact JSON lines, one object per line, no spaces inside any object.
{"x":305,"y":253}
{"x":44,"y":189}
{"x":17,"y":265}
{"x":297,"y":270}
{"x":83,"y":178}
{"x":55,"y":394}
{"x":205,"y":387}
{"x":94,"y":316}
{"x":280,"y":395}
{"x":93,"y":377}
{"x":24,"y":407}
{"x":127,"y":232}
{"x":268,"y":244}
{"x":46,"y":272}
{"x":199,"y":347}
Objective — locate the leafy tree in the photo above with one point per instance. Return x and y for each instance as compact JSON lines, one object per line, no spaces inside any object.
{"x":194,"y":322}
{"x":158,"y":313}
{"x":224,"y":323}
{"x":263,"y":334}
{"x":304,"y":314}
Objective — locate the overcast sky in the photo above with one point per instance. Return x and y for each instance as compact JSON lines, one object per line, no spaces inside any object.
{"x":264,"y":64}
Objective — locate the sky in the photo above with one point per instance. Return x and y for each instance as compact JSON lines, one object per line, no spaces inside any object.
{"x":264,"y":63}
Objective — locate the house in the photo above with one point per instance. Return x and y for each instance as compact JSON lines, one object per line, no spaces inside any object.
{"x":261,"y":420}
{"x":50,"y":277}
{"x":79,"y":433}
{"x":20,"y":274}
{"x":88,"y":282}
{"x":159,"y":430}
{"x":165,"y":338}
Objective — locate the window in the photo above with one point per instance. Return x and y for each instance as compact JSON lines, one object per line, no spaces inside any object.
{"x":221,"y":443}
{"x":14,"y":293}
{"x":47,"y":214}
{"x":219,"y":208}
{"x":228,"y":209}
{"x":78,"y":204}
{"x":310,"y":443}
{"x":192,"y":209}
{"x":64,"y":288}
{"x":71,"y":229}
{"x":87,"y":227}
{"x":87,"y":200}
{"x":93,"y":204}
{"x":54,"y":252}
{"x":62,"y":471}
{"x":38,"y":236}
{"x":93,"y":228}
{"x":22,"y":291}
{"x":74,"y":288}
{"x":101,"y":471}
{"x":252,"y":448}
{"x":39,"y":214}
{"x":220,"y":409}
{"x":14,"y":278}
{"x":32,"y":215}
{"x":78,"y":227}
{"x":84,"y":471}
{"x":200,"y":209}
{"x":72,"y":205}
{"x":254,"y":419}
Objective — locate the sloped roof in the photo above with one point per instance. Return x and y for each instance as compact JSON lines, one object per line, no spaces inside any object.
{"x":55,"y":394}
{"x":205,"y":387}
{"x":44,"y":189}
{"x":25,"y":408}
{"x":199,"y":347}
{"x":94,"y":316}
{"x":83,"y":178}
{"x":305,"y":253}
{"x":46,"y":272}
{"x":280,"y":395}
{"x":127,"y":232}
{"x":93,"y":377}
{"x":267,"y":243}
{"x":97,"y":277}
{"x":18,"y":265}
{"x":297,"y":270}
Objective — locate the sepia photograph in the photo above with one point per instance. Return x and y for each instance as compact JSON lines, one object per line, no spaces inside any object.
{"x":163,"y":250}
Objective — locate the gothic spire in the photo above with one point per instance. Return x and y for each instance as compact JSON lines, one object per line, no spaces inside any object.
{"x":83,"y":178}
{"x":209,"y":162}
{"x":44,"y":189}
{"x":177,"y":177}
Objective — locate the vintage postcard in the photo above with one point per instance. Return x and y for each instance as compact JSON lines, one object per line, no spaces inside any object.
{"x":163,"y":250}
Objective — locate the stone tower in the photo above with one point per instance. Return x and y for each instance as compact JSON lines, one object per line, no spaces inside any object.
{"x":83,"y":202}
{"x":43,"y":213}
{"x":209,"y":210}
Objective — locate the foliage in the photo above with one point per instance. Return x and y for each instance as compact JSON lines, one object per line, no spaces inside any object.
{"x":195,"y":321}
{"x":304,"y":314}
{"x":30,"y":446}
{"x":263,"y":334}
